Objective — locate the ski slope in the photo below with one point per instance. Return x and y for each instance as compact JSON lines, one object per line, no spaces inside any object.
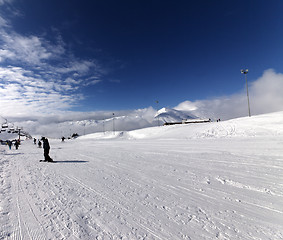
{"x":198,"y":181}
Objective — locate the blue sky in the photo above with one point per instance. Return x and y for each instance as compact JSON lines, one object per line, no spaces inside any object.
{"x":116,"y":55}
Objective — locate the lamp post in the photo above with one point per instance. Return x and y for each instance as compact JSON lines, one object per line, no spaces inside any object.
{"x":245,"y":72}
{"x":21,"y":128}
{"x":104,"y":126}
{"x":113,"y":124}
{"x":157,"y":112}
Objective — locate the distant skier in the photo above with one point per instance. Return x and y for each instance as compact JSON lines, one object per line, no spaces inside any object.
{"x":17,"y":143}
{"x":46,"y":148}
{"x":9,"y":143}
{"x":39,"y":143}
{"x":34,"y":140}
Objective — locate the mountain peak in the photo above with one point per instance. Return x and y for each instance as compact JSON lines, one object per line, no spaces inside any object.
{"x":172,"y":115}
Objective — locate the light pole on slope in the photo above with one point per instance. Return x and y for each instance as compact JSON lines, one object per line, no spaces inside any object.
{"x":104,"y":126}
{"x":113,"y":123}
{"x":245,"y":72}
{"x":157,"y":112}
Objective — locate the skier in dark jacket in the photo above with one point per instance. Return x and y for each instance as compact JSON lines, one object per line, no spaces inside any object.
{"x":17,"y":143}
{"x":46,"y":148}
{"x":9,"y":143}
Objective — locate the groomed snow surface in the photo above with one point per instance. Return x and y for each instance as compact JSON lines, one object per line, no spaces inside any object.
{"x":220,"y":180}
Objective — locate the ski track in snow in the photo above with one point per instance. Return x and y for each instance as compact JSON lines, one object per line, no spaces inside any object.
{"x":144,"y":189}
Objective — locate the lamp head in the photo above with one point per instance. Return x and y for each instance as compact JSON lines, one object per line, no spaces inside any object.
{"x":244,"y":71}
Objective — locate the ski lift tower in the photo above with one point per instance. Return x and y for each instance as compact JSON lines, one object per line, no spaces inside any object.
{"x":19,"y":129}
{"x":245,"y":72}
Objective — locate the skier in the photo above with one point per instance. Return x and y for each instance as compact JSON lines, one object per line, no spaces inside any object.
{"x":34,"y":140}
{"x":46,"y":148}
{"x":39,"y":143}
{"x":9,"y":143}
{"x":17,"y":143}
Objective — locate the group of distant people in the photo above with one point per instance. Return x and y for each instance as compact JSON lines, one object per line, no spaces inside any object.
{"x":41,"y":142}
{"x":16,"y":143}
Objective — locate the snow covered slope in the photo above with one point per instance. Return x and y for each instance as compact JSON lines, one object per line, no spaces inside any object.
{"x":198,"y":182}
{"x":260,"y":125}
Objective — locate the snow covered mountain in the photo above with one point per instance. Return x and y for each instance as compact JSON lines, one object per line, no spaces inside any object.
{"x":166,"y":115}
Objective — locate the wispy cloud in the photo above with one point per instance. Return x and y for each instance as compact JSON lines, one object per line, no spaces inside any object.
{"x":2,"y":2}
{"x":92,"y":81}
{"x":265,"y":96}
{"x":3,"y":22}
{"x":40,"y":76}
{"x":30,"y":49}
{"x":76,"y":67}
{"x":22,"y":93}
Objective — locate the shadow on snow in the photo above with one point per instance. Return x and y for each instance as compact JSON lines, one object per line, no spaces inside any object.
{"x":13,"y":153}
{"x":71,"y":161}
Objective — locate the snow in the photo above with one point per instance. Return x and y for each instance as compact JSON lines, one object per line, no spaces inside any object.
{"x":195,"y":181}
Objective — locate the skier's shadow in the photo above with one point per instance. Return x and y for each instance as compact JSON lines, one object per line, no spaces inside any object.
{"x":13,"y":153}
{"x":72,"y":161}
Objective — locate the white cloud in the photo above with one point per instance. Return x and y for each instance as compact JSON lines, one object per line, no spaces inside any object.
{"x":72,"y":81}
{"x":77,"y":67}
{"x":266,"y":95}
{"x":4,"y":54}
{"x":25,"y":49}
{"x":22,"y":93}
{"x":30,"y":49}
{"x":2,"y":2}
{"x":92,"y":82}
{"x":37,"y":76}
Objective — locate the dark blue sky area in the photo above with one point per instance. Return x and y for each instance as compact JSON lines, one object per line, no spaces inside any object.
{"x":169,"y":51}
